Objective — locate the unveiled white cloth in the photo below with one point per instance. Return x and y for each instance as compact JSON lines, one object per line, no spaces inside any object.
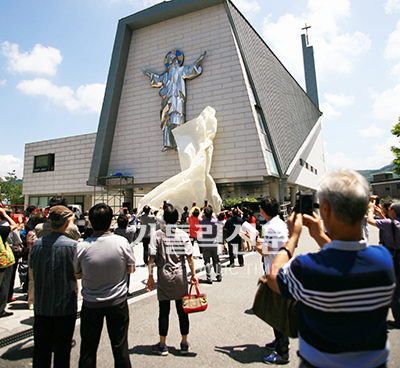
{"x":194,"y":183}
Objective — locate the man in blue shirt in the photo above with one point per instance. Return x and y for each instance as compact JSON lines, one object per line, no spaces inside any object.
{"x":52,"y":260}
{"x":345,"y":289}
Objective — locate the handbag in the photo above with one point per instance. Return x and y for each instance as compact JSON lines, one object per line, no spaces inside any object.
{"x":271,"y":307}
{"x":6,"y":255}
{"x":194,"y":302}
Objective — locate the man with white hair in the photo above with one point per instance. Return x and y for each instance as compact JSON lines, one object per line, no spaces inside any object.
{"x":345,"y":289}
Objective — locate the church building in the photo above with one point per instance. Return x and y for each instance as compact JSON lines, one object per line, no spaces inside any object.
{"x":269,"y":134}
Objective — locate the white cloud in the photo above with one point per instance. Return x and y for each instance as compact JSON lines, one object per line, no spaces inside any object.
{"x":86,"y":98}
{"x":371,"y":132}
{"x":392,"y":50}
{"x":381,"y":155}
{"x":8,"y":163}
{"x":248,"y":8}
{"x":391,"y":6}
{"x":386,"y":105}
{"x":283,"y":38}
{"x":339,"y":100}
{"x":335,"y":52}
{"x":339,"y":160}
{"x":41,"y":60}
{"x":3,"y":82}
{"x":329,"y":111}
{"x":395,"y":71}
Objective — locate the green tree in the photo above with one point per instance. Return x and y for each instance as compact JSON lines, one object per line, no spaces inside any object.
{"x":232,"y":202}
{"x":396,"y":151}
{"x":11,"y":189}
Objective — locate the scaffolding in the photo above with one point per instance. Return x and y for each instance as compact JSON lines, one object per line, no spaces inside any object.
{"x":114,"y":191}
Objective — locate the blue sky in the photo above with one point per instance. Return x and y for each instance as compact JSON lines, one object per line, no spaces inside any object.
{"x":55,"y":55}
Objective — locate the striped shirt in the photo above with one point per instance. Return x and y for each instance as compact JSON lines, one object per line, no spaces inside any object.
{"x":344,"y":292}
{"x":52,"y":260}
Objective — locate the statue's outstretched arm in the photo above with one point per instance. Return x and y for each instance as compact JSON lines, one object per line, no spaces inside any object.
{"x":146,"y":72}
{"x":200,"y":59}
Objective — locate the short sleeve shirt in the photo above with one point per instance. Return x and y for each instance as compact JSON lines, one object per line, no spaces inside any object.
{"x":169,"y":249}
{"x":385,"y":225}
{"x":275,"y":235}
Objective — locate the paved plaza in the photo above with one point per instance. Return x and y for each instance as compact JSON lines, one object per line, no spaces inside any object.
{"x":227,"y":334}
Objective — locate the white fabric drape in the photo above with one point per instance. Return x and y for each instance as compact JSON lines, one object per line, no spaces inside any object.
{"x":194,"y":183}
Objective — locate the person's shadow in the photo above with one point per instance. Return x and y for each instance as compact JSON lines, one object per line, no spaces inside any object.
{"x":250,"y":353}
{"x":146,"y":350}
{"x":19,"y":352}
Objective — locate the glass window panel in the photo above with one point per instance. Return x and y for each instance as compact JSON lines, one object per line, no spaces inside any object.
{"x":34,"y":201}
{"x":272,"y":163}
{"x":43,"y":201}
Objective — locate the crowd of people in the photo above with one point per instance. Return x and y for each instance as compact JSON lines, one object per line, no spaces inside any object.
{"x":343,"y":292}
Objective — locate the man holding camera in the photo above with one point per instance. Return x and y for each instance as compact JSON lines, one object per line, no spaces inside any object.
{"x":344,"y":290}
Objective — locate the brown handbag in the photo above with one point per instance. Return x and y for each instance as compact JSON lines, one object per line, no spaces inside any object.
{"x":193,"y":303}
{"x":273,"y":309}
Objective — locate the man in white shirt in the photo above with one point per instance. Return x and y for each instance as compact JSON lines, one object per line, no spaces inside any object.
{"x":275,"y":235}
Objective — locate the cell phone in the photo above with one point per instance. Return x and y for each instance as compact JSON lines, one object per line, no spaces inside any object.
{"x":377,"y":200}
{"x":304,"y":202}
{"x":205,"y":202}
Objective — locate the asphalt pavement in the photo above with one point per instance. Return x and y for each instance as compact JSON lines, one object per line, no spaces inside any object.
{"x":226,"y":334}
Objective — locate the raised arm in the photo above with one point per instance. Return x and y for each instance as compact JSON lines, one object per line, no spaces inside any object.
{"x":314,"y":226}
{"x":13,"y":225}
{"x":200,"y":59}
{"x":370,"y":213}
{"x":146,"y":72}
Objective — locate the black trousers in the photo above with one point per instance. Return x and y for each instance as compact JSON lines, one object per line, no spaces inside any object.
{"x":212,"y":252}
{"x":282,"y":344}
{"x":117,"y":319}
{"x":233,"y":248}
{"x":395,"y":305}
{"x":12,"y":280}
{"x":53,"y":333}
{"x":5,"y":287}
{"x":146,"y":242}
{"x":163,"y":319}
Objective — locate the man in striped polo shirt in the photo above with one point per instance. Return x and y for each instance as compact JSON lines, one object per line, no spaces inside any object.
{"x":345,"y":289}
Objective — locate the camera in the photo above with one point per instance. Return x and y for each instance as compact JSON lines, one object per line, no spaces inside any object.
{"x":304,"y":202}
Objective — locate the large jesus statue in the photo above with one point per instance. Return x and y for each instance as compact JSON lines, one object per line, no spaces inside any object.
{"x":173,"y":92}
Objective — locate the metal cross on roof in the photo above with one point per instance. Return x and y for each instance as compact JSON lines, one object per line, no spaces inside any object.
{"x":306,"y":28}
